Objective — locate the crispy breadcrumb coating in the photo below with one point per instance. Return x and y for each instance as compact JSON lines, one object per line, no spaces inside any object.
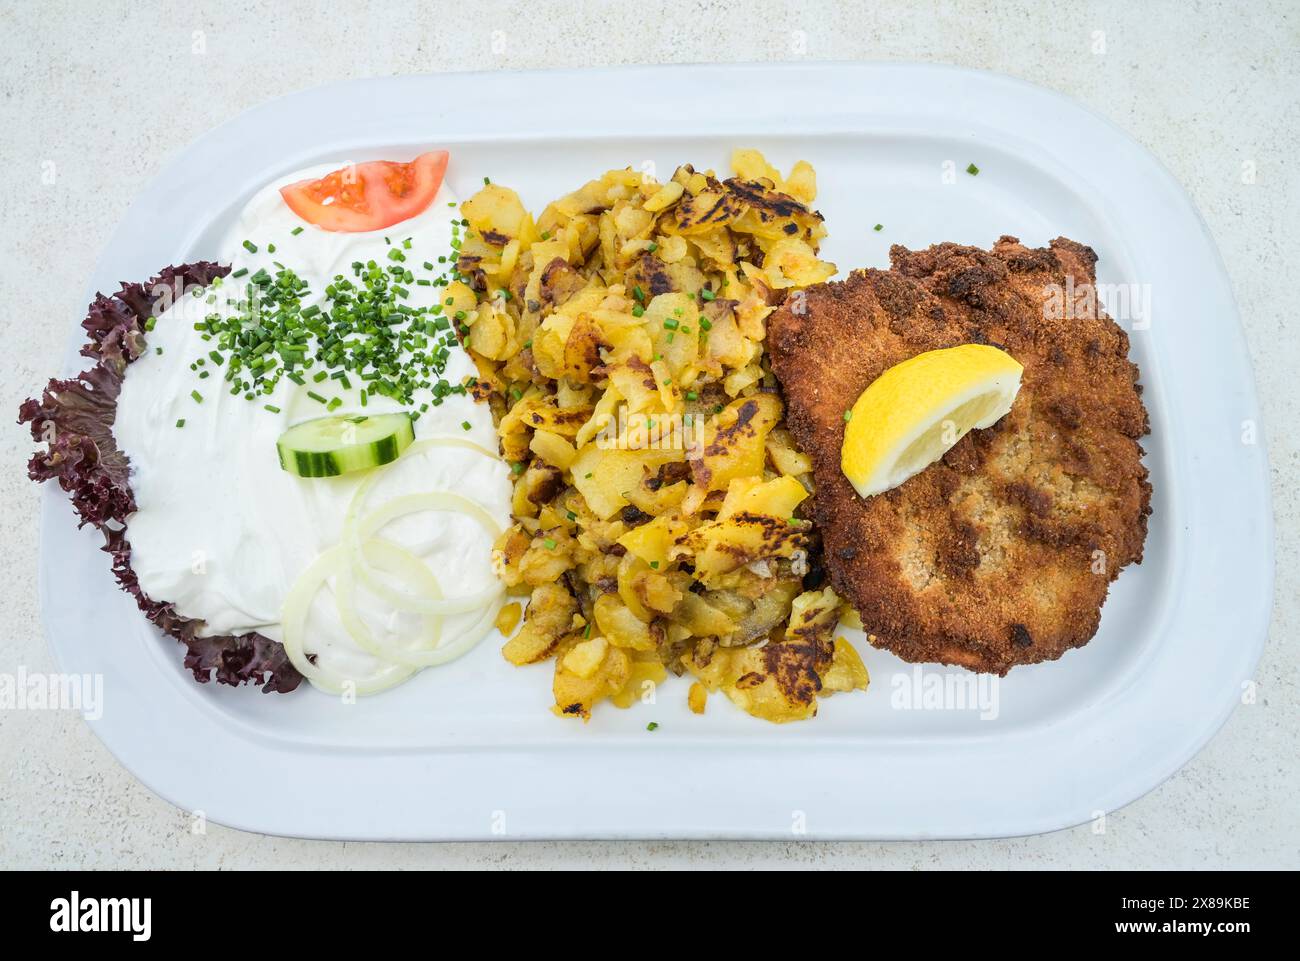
{"x":1001,"y":553}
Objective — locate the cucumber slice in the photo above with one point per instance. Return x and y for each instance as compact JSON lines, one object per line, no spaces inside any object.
{"x":329,"y":446}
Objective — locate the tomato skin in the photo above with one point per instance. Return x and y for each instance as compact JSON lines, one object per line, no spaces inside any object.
{"x":368,"y":196}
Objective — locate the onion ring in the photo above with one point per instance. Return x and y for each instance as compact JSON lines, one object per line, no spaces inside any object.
{"x":293,"y":616}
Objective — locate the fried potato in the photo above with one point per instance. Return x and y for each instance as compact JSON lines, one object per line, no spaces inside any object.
{"x":619,"y":337}
{"x":550,"y":615}
{"x":782,"y":680}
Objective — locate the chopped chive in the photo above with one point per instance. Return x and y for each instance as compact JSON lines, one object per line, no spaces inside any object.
{"x":272,"y":408}
{"x":239,"y":273}
{"x":973,"y":170}
{"x":652,"y":726}
{"x":359,"y":328}
{"x":316,"y":397}
{"x":878,"y":227}
{"x":692,"y":395}
{"x":296,"y":231}
{"x":549,"y":544}
{"x":181,"y":422}
{"x":464,"y":425}
{"x":198,"y":398}
{"x":250,"y":246}
{"x":848,"y":416}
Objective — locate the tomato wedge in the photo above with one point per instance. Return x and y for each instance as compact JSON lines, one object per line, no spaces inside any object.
{"x":368,"y":196}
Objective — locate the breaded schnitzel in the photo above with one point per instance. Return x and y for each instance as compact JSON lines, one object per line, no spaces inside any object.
{"x":1001,"y":553}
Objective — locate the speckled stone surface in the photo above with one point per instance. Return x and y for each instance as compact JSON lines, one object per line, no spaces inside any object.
{"x":102,"y":94}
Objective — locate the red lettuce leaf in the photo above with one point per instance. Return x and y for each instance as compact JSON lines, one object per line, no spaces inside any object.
{"x":74,"y":420}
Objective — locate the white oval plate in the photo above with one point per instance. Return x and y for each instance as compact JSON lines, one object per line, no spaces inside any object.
{"x":471,"y":750}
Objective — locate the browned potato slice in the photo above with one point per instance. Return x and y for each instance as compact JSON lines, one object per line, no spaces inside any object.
{"x":735,"y":447}
{"x":847,"y":672}
{"x":622,"y":627}
{"x":780,"y":681}
{"x":644,"y":677}
{"x":591,"y":670}
{"x":550,"y":616}
{"x":619,"y":340}
{"x":582,"y":350}
{"x":606,"y":478}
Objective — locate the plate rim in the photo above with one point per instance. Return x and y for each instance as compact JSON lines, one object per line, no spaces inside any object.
{"x":125,"y":745}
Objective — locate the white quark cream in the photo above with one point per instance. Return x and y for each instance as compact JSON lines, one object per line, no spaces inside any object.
{"x":221,"y":530}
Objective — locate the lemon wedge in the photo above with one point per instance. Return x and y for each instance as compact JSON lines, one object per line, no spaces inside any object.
{"x":915,"y":411}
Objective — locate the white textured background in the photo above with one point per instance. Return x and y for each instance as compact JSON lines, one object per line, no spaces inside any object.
{"x":108,"y":91}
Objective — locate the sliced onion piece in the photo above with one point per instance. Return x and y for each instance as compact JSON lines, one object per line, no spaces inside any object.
{"x":429,"y":443}
{"x":470,"y":639}
{"x":396,"y":559}
{"x":293,"y":616}
{"x":359,"y":532}
{"x":463,"y":644}
{"x":353,"y":534}
{"x":392,"y":559}
{"x":414,"y":450}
